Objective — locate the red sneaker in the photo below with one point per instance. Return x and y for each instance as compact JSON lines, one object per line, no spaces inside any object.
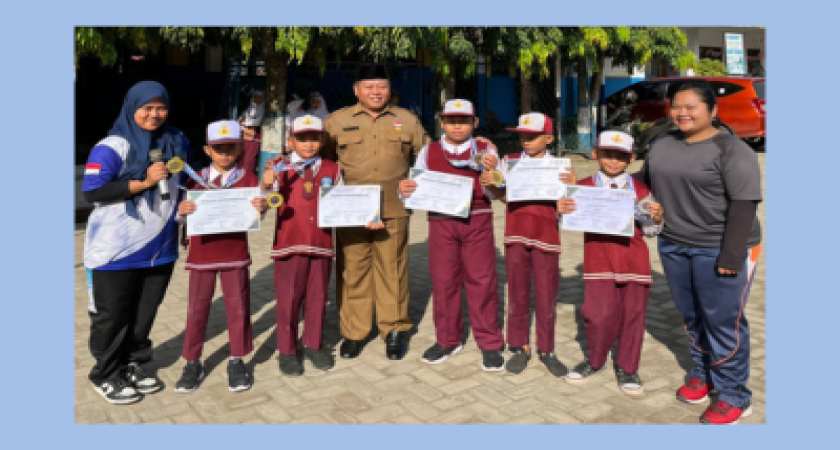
{"x":722,"y":413}
{"x":695,"y":391}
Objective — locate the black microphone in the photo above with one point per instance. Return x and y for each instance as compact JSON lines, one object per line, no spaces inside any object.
{"x":156,"y":156}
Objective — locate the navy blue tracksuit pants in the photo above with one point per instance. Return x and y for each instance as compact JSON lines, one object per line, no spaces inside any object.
{"x":715,"y":320}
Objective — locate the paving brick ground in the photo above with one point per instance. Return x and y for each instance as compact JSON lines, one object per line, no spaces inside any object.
{"x":371,"y":389}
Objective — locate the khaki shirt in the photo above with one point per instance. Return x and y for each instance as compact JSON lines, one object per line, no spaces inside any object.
{"x":375,"y":150}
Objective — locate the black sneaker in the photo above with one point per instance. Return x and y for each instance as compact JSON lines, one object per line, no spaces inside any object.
{"x":117,"y":390}
{"x":290,"y":365}
{"x":437,"y":353}
{"x":582,"y":373}
{"x":492,"y":361}
{"x":191,"y":377}
{"x":239,"y":379}
{"x":322,"y":359}
{"x":629,"y":383}
{"x":144,"y":382}
{"x":519,"y":361}
{"x":554,"y":366}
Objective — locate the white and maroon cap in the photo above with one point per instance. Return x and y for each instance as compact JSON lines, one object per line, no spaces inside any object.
{"x":224,"y":132}
{"x":534,"y":123}
{"x":458,"y":107}
{"x":615,"y":140}
{"x":307,"y":123}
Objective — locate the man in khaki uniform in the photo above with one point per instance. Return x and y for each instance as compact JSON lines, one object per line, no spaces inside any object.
{"x":373,"y":142}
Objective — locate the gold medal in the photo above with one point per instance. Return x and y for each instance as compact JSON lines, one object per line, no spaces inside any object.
{"x":274,"y":199}
{"x":175,"y":165}
{"x":498,"y":178}
{"x":308,"y":186}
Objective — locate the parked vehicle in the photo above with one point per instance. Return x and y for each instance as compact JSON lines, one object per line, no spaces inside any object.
{"x":741,"y":103}
{"x":624,"y":119}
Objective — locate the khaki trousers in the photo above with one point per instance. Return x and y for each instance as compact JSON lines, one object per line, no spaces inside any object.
{"x":372,"y":275}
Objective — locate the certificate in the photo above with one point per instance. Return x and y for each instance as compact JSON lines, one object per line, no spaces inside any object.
{"x":441,"y":193}
{"x":348,"y":206}
{"x":223,"y":211}
{"x":535,"y":179}
{"x":601,"y":210}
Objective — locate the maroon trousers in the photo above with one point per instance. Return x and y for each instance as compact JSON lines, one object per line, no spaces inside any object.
{"x":250,"y":154}
{"x":462,"y":253}
{"x":298,"y":278}
{"x":615,"y":311}
{"x":521,"y":263}
{"x":236,"y":288}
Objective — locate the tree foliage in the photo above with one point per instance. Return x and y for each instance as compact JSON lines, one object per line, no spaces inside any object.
{"x":452,"y":51}
{"x":710,"y":68}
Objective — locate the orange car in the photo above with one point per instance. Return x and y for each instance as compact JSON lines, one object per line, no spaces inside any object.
{"x":741,"y":103}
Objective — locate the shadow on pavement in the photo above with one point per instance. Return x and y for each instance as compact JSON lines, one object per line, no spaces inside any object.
{"x":660,"y":330}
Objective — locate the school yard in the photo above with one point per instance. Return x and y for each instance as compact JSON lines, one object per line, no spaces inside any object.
{"x":371,"y":389}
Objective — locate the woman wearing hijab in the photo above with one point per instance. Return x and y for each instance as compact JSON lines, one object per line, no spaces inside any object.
{"x":318,"y":106}
{"x":251,"y":120}
{"x":294,"y":108}
{"x":131,"y":241}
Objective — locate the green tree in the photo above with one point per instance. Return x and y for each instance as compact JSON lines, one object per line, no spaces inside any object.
{"x":627,"y":46}
{"x":105,"y":43}
{"x":710,"y":68}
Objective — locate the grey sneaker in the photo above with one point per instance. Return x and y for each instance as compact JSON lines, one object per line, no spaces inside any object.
{"x":144,"y":382}
{"x":554,"y":366}
{"x":239,"y":379}
{"x":191,"y":377}
{"x":492,"y":361}
{"x":290,"y":365}
{"x":582,"y":373}
{"x":629,"y":383}
{"x":322,"y":359}
{"x":519,"y":361}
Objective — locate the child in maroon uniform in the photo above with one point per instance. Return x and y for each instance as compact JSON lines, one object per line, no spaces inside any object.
{"x":224,"y":254}
{"x":616,"y":271}
{"x":532,"y":249}
{"x":302,"y":252}
{"x":462,"y":252}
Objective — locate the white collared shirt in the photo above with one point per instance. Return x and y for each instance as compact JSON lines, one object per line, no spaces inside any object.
{"x":606,"y":181}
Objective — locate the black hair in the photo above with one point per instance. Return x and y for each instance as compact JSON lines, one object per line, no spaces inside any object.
{"x":699,"y":87}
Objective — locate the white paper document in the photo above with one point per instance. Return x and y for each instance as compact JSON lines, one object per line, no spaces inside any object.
{"x":441,"y":193}
{"x":348,"y":206}
{"x":536,"y":179}
{"x":223,"y":211}
{"x":601,"y":210}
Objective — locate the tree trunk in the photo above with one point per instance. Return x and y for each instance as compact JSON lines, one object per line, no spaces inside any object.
{"x":275,"y":74}
{"x":584,"y":128}
{"x":526,"y":98}
{"x":273,"y":129}
{"x":446,"y":88}
{"x":595,"y":88}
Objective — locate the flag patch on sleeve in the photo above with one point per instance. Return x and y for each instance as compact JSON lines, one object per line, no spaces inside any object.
{"x":92,"y":168}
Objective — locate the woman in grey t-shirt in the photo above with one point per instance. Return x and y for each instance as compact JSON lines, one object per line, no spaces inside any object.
{"x":709,"y":186}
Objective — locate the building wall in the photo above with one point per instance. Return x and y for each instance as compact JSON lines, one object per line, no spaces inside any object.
{"x":709,"y":39}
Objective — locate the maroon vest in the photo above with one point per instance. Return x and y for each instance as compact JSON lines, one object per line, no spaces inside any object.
{"x":437,"y":161}
{"x":627,"y":258}
{"x":297,"y":231}
{"x":533,"y":223}
{"x":220,"y":251}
